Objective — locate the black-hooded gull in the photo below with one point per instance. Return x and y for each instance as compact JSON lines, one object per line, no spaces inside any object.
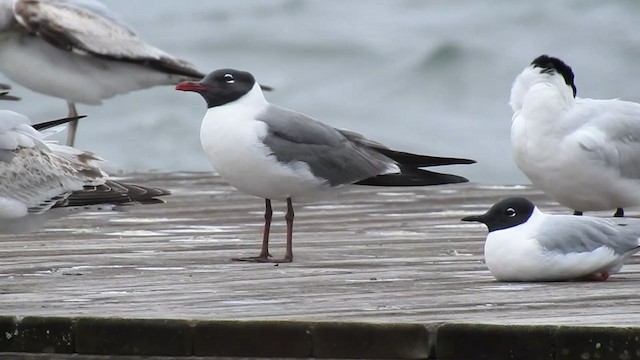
{"x":525,"y":244}
{"x":278,"y":154}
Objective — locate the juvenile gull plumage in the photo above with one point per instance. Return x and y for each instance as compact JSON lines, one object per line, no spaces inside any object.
{"x":584,"y":153}
{"x":278,"y":154}
{"x":525,"y":244}
{"x":37,"y":176}
{"x":80,"y":51}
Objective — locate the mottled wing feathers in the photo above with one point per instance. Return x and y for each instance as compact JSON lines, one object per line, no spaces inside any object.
{"x":116,"y":193}
{"x":37,"y":179}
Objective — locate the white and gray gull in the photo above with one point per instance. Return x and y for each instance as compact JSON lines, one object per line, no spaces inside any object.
{"x":584,"y":153}
{"x":80,"y":51}
{"x":278,"y":154}
{"x":525,"y":244}
{"x":40,"y":180}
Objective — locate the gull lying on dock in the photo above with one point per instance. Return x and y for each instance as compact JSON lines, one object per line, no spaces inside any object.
{"x":584,"y":153}
{"x":41,"y":180}
{"x":80,"y":51}
{"x":278,"y":154}
{"x":525,"y":244}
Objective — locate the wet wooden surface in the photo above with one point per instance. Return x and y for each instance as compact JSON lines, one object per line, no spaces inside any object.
{"x":369,"y":254}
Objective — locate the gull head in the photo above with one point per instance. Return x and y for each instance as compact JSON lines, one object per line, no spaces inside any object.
{"x":505,"y":214}
{"x":543,"y":69}
{"x":223,"y":86}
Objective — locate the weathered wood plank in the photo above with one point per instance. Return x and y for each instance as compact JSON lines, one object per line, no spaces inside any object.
{"x":370,"y":254}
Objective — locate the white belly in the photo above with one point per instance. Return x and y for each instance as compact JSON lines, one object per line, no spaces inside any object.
{"x":564,"y":171}
{"x":511,"y":258}
{"x":236,"y":151}
{"x":43,"y":68}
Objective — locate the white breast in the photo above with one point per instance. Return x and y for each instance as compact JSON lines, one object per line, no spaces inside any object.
{"x":71,"y":76}
{"x":514,"y":254}
{"x":232,"y":140}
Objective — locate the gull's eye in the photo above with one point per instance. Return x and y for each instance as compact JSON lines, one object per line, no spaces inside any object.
{"x":229,"y":78}
{"x":510,"y":212}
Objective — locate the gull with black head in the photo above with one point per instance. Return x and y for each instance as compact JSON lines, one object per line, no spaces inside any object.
{"x":278,"y":154}
{"x":525,"y":244}
{"x":584,"y":153}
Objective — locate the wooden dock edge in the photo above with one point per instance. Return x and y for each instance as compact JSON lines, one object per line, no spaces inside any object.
{"x":292,"y":339}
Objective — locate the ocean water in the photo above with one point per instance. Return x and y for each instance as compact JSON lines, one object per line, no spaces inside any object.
{"x":429,"y":77}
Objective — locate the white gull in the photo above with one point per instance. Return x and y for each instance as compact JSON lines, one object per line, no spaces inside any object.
{"x":584,"y":153}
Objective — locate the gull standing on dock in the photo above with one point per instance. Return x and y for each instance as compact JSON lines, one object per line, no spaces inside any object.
{"x":80,"y":51}
{"x":38,"y":177}
{"x":278,"y":154}
{"x":584,"y":153}
{"x":525,"y":244}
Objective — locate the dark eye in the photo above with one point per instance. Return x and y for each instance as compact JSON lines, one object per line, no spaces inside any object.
{"x":510,"y":212}
{"x":229,"y":78}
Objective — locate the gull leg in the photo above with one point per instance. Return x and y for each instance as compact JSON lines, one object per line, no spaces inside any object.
{"x":264,"y":250}
{"x":602,"y":276}
{"x":73,"y":125}
{"x":577,"y":213}
{"x":288,"y":255}
{"x":619,"y":213}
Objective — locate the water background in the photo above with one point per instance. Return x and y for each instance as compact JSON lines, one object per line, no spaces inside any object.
{"x":429,"y":77}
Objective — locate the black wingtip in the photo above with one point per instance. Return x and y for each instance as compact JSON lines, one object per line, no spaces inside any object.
{"x":265,"y":87}
{"x":416,"y":161}
{"x":5,"y":96}
{"x":52,"y":123}
{"x":413,"y":177}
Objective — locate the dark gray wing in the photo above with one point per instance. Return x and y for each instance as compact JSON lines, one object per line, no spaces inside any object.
{"x":569,"y":234}
{"x":86,"y":27}
{"x":329,"y":153}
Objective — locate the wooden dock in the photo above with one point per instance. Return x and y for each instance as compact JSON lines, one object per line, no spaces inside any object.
{"x":379,"y":255}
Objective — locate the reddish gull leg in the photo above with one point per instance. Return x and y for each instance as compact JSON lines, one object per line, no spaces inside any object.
{"x":602,"y":276}
{"x":264,"y":251}
{"x":288,"y":256}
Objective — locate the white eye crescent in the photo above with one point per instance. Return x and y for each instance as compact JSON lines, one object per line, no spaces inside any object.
{"x":510,"y":212}
{"x":229,"y":78}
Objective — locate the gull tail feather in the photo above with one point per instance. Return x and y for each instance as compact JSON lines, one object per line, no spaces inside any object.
{"x":413,"y":177}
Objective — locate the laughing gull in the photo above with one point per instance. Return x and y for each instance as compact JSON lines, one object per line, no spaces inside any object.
{"x":80,"y":51}
{"x":525,"y":244}
{"x":38,"y":177}
{"x":278,"y":154}
{"x":584,"y":153}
